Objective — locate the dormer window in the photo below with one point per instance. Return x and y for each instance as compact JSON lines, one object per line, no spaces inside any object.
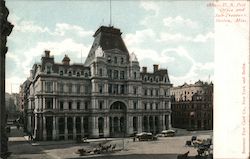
{"x":134,"y":75}
{"x":48,"y":69}
{"x":78,"y":74}
{"x":109,"y":59}
{"x":85,"y":74}
{"x":61,"y":73}
{"x":100,"y":72}
{"x":70,"y":73}
{"x":122,"y":60}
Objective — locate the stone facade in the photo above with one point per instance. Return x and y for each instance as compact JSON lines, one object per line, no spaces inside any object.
{"x":5,"y":30}
{"x":192,"y":106}
{"x":107,"y":96}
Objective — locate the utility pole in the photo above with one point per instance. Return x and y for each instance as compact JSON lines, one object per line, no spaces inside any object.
{"x":6,"y":28}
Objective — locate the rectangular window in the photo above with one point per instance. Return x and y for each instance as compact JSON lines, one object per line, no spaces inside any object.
{"x":86,"y":104}
{"x":151,"y":106}
{"x":156,"y":106}
{"x":100,"y":88}
{"x":145,"y":92}
{"x":70,"y":88}
{"x":134,"y":75}
{"x":48,"y":69}
{"x":60,"y":87}
{"x":48,"y":103}
{"x":70,"y":105}
{"x":135,"y":90}
{"x":135,"y":105}
{"x":48,"y":87}
{"x":110,"y":73}
{"x":100,"y":72}
{"x":86,"y":89}
{"x":156,"y":92}
{"x":110,"y":88}
{"x":78,"y":105}
{"x":145,"y":106}
{"x":122,"y":75}
{"x":151,"y":92}
{"x":115,"y":89}
{"x":100,"y":105}
{"x":61,"y":105}
{"x":78,"y":88}
{"x":122,"y":89}
{"x":115,"y":74}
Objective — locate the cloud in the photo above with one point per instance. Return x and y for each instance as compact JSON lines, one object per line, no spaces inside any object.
{"x":24,"y":59}
{"x":203,"y":38}
{"x":170,"y":37}
{"x":13,"y":83}
{"x":180,"y":64}
{"x":139,"y":37}
{"x":62,"y":28}
{"x":178,"y":37}
{"x":180,"y":21}
{"x":150,"y":6}
{"x":29,"y":26}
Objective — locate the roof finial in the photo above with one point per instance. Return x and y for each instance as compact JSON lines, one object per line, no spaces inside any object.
{"x":110,"y":13}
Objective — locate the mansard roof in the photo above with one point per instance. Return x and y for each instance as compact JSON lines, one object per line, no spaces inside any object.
{"x":109,"y":38}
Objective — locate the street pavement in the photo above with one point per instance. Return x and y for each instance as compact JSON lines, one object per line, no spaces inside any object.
{"x":163,"y":148}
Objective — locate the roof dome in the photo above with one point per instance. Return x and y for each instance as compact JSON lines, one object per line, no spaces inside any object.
{"x":133,"y":57}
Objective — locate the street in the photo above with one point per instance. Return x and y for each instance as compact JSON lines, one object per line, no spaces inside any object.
{"x":164,"y":147}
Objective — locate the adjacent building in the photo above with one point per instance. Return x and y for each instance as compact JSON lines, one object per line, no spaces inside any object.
{"x":192,"y":106}
{"x":107,"y":96}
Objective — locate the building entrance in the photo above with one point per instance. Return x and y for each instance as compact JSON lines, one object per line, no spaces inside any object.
{"x":118,"y":119}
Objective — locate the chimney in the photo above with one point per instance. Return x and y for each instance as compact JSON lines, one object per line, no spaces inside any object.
{"x":144,"y":69}
{"x":156,"y":67}
{"x":47,"y":52}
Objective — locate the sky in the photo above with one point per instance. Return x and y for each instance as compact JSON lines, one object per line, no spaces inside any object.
{"x":176,"y":35}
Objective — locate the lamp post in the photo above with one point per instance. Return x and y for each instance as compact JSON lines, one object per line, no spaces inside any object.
{"x":5,"y":30}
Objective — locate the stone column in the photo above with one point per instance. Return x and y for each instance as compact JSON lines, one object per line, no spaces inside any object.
{"x":82,"y":128}
{"x":139,"y":124}
{"x":129,"y":122}
{"x":54,"y":128}
{"x":40,"y":127}
{"x":154,"y":124}
{"x":94,"y":129}
{"x":66,"y":129}
{"x":54,"y":103}
{"x":163,"y":123}
{"x":106,"y":126}
{"x":169,"y":121}
{"x":119,"y":124}
{"x":74,"y":127}
{"x":148,"y":124}
{"x":29,"y":123}
{"x":57,"y":128}
{"x":112,"y":125}
{"x":43,"y":107}
{"x":44,"y":129}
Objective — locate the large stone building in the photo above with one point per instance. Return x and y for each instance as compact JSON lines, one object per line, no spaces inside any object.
{"x":107,"y":96}
{"x":192,"y":106}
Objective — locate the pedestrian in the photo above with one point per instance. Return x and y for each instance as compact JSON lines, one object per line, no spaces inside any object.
{"x":133,"y":139}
